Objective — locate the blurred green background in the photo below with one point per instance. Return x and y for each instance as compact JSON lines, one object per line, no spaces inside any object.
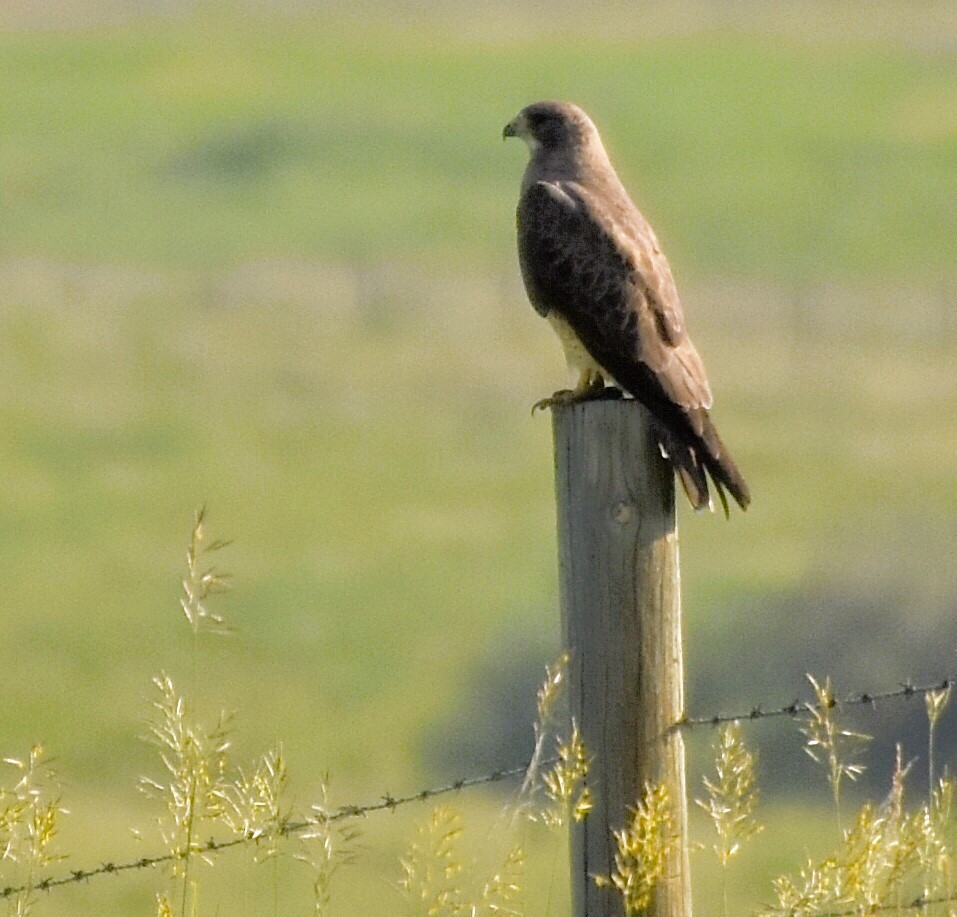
{"x":261,"y":257}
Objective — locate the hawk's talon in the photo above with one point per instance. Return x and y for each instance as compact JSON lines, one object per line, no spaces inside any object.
{"x":565,"y":396}
{"x":594,"y":390}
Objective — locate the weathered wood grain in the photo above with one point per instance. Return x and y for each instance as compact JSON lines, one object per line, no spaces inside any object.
{"x":621,"y":621}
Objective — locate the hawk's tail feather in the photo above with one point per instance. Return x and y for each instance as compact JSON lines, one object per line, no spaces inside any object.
{"x":688,"y":467}
{"x":702,"y":457}
{"x":722,"y":468}
{"x":723,"y":498}
{"x":695,"y":485}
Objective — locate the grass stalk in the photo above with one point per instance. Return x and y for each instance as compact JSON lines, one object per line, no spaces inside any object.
{"x":935,"y":703}
{"x":830,"y":744}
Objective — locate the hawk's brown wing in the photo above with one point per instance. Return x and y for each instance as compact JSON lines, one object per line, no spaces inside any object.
{"x":597,"y":264}
{"x":594,"y":260}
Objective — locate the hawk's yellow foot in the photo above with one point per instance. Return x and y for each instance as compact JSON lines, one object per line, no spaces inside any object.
{"x":591,"y":387}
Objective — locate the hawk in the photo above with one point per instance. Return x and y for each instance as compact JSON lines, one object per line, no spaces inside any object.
{"x":593,"y":268}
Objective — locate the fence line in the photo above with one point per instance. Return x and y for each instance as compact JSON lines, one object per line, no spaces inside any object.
{"x":918,"y":904}
{"x":388,"y":802}
{"x":798,"y":707}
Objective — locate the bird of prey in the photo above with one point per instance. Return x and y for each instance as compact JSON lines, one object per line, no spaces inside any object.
{"x":592,"y":266}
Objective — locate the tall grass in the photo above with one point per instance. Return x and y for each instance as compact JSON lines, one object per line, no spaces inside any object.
{"x":830,"y":744}
{"x":732,"y":800}
{"x":30,"y":814}
{"x":890,"y":856}
{"x":201,"y":790}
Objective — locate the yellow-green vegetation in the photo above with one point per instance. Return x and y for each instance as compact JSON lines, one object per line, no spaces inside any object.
{"x":435,"y":881}
{"x":325,"y":848}
{"x":732,"y":799}
{"x":830,"y":744}
{"x":936,"y":703}
{"x":643,"y":848}
{"x":30,"y":815}
{"x":565,"y":783}
{"x":266,"y":262}
{"x":890,"y":858}
{"x":194,"y":757}
{"x":547,"y":698}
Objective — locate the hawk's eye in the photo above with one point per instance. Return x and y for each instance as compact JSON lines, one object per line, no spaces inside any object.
{"x":545,"y":123}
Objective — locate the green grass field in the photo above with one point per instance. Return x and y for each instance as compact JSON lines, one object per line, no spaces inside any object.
{"x":222,"y":139}
{"x":268,"y":266}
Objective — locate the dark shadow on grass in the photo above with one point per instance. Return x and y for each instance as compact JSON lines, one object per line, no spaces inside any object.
{"x":248,"y":151}
{"x":760,"y":651}
{"x":493,"y":726}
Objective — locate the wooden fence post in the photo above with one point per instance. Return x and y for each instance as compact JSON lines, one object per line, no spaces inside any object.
{"x":621,"y":622}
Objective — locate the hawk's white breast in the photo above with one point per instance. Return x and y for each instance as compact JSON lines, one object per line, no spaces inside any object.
{"x":576,"y":355}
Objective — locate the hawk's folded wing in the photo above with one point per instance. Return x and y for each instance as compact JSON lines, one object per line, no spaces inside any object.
{"x":598,"y":265}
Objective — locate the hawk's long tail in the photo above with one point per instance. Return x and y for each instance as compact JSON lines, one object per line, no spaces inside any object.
{"x":696,"y":456}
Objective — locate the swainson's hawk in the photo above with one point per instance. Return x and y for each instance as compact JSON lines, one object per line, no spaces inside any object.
{"x":593,"y":267}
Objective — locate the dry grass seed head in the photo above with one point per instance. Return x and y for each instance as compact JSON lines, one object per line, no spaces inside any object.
{"x":810,"y":893}
{"x":29,"y":816}
{"x":936,"y":858}
{"x":30,"y":812}
{"x":548,"y":696}
{"x":434,"y":877}
{"x":936,"y":703}
{"x":552,"y":688}
{"x":195,"y":759}
{"x":830,"y":744}
{"x":881,"y":850}
{"x":879,"y":855}
{"x":644,"y":847}
{"x":251,"y":804}
{"x":732,"y":795}
{"x":502,"y":893}
{"x":203,"y":582}
{"x":565,"y":783}
{"x":430,"y":867}
{"x":325,"y":846}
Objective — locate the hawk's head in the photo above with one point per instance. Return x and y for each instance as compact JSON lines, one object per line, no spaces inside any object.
{"x":551,"y":126}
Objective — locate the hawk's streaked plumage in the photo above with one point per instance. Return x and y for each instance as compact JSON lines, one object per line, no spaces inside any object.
{"x":593,"y":267}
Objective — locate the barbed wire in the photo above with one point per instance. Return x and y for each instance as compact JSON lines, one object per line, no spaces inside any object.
{"x":800,"y":708}
{"x":388,"y":802}
{"x":917,"y":904}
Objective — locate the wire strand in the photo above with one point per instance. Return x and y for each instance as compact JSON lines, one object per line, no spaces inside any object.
{"x":214,"y":845}
{"x":800,"y":708}
{"x":388,"y":802}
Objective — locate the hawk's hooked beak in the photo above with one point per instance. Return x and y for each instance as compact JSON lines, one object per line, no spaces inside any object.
{"x":510,"y":130}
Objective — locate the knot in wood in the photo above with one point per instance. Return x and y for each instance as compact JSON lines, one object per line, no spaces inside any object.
{"x":623,"y":512}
